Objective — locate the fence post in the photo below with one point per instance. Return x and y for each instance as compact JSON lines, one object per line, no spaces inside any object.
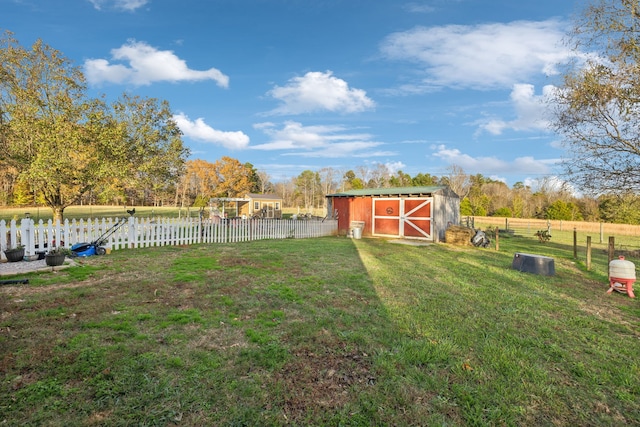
{"x":575,"y":243}
{"x":497,"y":239}
{"x":588,"y":253}
{"x":611,"y":250}
{"x":601,"y":232}
{"x":12,"y":235}
{"x":27,"y":239}
{"x":132,"y":232}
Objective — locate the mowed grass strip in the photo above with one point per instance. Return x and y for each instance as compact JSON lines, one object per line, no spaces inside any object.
{"x":328,"y":331}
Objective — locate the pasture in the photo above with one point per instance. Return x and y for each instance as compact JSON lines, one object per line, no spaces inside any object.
{"x":325,"y":331}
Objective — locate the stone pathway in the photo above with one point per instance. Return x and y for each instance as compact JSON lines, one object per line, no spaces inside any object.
{"x":23,"y":267}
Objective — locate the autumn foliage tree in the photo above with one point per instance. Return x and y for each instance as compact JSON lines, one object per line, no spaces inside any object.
{"x":226,"y":177}
{"x":63,"y":144}
{"x":233,"y":179}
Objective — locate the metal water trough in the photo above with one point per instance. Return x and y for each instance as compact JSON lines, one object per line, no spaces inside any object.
{"x":536,"y":264}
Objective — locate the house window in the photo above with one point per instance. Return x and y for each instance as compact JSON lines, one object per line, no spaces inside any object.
{"x":277,"y":206}
{"x":256,"y":206}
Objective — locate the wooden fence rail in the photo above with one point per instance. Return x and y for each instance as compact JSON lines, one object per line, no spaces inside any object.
{"x":121,"y":233}
{"x":625,"y":234}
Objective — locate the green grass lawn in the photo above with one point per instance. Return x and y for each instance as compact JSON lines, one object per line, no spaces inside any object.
{"x":328,"y":331}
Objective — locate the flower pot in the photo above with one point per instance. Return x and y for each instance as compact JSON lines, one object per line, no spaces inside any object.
{"x":53,"y":260}
{"x":14,"y":255}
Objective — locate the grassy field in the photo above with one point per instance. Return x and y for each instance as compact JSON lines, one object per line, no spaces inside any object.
{"x":84,"y":212}
{"x":328,"y":331}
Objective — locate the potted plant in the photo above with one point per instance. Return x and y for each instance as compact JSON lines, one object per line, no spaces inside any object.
{"x":56,"y":256}
{"x":14,"y":254}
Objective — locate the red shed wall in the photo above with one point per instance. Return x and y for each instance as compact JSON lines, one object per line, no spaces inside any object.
{"x":353,"y":209}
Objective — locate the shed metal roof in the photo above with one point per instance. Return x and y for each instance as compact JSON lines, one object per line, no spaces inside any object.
{"x":396,"y":191}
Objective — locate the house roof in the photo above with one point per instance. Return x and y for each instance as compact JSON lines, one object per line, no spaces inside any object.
{"x":397,"y":191}
{"x":254,"y":196}
{"x":249,"y":197}
{"x":264,"y":196}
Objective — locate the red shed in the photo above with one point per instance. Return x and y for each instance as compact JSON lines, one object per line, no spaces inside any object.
{"x":406,"y":212}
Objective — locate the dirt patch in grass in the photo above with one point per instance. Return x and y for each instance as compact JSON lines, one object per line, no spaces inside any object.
{"x":316,"y":381}
{"x":237,"y":262}
{"x":223,"y":338}
{"x":25,"y":290}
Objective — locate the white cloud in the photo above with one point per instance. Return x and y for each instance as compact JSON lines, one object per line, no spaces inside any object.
{"x":200,"y":131}
{"x":483,"y":56}
{"x":316,"y":91}
{"x":128,"y":5}
{"x":146,"y":65}
{"x":318,"y":141}
{"x":492,"y":165}
{"x":531,"y":111}
{"x":394,"y":167}
{"x":418,"y":8}
{"x":550,"y":184}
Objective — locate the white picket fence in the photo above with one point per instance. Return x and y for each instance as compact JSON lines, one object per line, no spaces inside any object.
{"x":132,"y":232}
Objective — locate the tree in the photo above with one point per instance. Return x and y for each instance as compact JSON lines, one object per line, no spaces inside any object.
{"x":64,"y":144}
{"x":597,"y":113}
{"x":560,"y":209}
{"x":351,"y":181}
{"x":254,"y":178}
{"x":378,"y":176}
{"x":199,"y":180}
{"x":327,"y":182}
{"x":47,"y":123}
{"x":264,"y":182}
{"x":424,"y":180}
{"x":400,"y":179}
{"x":465,"y":207}
{"x":232,"y":178}
{"x":458,"y":181}
{"x":503,"y":212}
{"x":498,"y":194}
{"x":146,"y":152}
{"x":620,"y":208}
{"x":308,"y":188}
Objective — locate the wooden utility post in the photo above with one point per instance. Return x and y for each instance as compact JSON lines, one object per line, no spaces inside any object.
{"x":611,"y":250}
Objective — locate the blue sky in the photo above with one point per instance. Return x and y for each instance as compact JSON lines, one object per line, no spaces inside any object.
{"x":290,"y":85}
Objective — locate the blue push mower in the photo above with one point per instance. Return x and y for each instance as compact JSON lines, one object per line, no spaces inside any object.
{"x":97,"y":246}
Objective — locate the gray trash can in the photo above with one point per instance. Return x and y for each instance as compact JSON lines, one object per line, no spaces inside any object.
{"x":357,"y":233}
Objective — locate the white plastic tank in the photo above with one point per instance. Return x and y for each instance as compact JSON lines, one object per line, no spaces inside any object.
{"x":622,"y":269}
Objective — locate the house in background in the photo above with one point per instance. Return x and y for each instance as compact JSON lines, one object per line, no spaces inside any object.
{"x":264,"y":206}
{"x":407,"y":212}
{"x":250,"y":206}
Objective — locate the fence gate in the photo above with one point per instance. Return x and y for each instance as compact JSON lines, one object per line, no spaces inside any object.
{"x":403,"y":217}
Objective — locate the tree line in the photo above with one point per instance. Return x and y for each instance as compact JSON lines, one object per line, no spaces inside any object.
{"x":545,"y":198}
